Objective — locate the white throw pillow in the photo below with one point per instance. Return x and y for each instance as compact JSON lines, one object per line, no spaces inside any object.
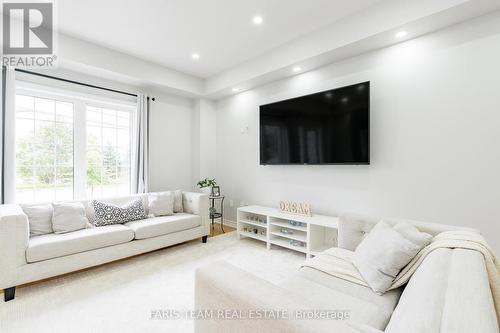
{"x":178,"y":206}
{"x":68,"y":216}
{"x":39,"y":218}
{"x":413,"y":234}
{"x":161,"y":204}
{"x":385,"y":251}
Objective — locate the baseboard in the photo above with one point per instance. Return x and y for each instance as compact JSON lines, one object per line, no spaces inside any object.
{"x":230,"y":223}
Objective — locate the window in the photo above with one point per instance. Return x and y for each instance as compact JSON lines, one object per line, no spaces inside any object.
{"x":44,"y":154}
{"x":71,"y":147}
{"x":108,"y":152}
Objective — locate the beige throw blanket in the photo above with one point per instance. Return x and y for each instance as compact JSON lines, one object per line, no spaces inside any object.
{"x":339,"y":262}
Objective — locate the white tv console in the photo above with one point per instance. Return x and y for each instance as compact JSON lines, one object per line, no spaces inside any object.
{"x":272,"y":226}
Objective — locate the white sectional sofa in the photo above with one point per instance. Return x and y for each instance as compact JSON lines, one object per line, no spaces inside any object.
{"x":449,"y":293}
{"x":24,"y":259}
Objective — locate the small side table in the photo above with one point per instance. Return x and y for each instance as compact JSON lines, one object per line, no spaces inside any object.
{"x":214,"y":214}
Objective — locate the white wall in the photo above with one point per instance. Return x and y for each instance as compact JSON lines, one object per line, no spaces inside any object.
{"x":171,"y":143}
{"x":204,"y":140}
{"x":435,"y":138}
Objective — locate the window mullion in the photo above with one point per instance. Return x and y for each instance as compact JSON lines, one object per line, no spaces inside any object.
{"x":80,"y":148}
{"x":33,"y":172}
{"x":54,"y":152}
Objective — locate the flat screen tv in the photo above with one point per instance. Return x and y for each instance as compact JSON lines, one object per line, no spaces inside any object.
{"x":329,"y":127}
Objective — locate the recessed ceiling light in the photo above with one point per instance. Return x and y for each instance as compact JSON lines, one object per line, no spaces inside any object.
{"x":401,"y":34}
{"x":296,"y":69}
{"x":236,"y":89}
{"x":258,"y":20}
{"x":195,"y":56}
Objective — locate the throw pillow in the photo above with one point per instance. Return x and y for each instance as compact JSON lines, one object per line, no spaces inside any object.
{"x":411,"y":233}
{"x":39,"y":218}
{"x":385,"y":251}
{"x":178,"y":206}
{"x":68,"y":216}
{"x":106,"y":214}
{"x":161,"y":204}
{"x":117,"y":201}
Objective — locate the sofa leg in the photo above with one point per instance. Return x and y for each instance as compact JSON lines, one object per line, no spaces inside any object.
{"x":204,"y":239}
{"x":9,"y":294}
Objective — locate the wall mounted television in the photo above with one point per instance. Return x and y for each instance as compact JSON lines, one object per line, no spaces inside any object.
{"x":329,"y":127}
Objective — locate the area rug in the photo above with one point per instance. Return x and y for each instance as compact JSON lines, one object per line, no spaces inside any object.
{"x":121,"y":296}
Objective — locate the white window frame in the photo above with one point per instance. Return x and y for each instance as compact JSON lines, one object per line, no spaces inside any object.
{"x":80,"y":102}
{"x":97,"y":104}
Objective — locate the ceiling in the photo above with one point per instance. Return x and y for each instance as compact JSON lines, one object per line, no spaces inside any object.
{"x":149,"y":43}
{"x":167,"y":32}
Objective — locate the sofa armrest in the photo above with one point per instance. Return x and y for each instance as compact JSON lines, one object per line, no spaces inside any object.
{"x":221,"y":288}
{"x":14,"y":237}
{"x":197,"y":203}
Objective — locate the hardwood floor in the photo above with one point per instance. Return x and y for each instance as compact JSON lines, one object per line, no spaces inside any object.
{"x":216,"y":230}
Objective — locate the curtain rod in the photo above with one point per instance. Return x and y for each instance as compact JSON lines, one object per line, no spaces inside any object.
{"x":76,"y":82}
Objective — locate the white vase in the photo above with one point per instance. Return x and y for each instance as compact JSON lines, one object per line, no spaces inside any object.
{"x":207,"y":190}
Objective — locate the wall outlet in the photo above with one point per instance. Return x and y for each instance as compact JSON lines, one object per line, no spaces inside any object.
{"x":243,"y":203}
{"x":231,"y":203}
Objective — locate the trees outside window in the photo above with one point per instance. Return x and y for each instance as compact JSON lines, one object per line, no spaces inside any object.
{"x":48,"y":146}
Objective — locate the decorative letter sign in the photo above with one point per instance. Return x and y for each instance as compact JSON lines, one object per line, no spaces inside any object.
{"x":295,"y":208}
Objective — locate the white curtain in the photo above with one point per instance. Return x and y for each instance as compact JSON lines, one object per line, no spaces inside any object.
{"x":8,"y":135}
{"x":2,"y":93}
{"x":141,"y":178}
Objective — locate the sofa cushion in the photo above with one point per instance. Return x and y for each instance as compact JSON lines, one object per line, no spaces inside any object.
{"x":57,"y":245}
{"x":178,"y":202}
{"x":333,"y":293}
{"x":68,"y":216}
{"x":163,"y":225}
{"x":329,"y":292}
{"x":39,"y":218}
{"x":161,"y":204}
{"x":352,"y":229}
{"x":452,"y":286}
{"x":387,"y":301}
{"x":385,"y":251}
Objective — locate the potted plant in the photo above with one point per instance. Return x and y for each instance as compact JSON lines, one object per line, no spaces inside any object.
{"x":206,"y":185}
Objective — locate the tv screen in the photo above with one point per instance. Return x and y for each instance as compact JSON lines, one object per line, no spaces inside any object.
{"x":330,"y":127}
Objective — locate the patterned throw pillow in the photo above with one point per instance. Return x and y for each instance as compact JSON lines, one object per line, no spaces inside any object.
{"x":106,"y":214}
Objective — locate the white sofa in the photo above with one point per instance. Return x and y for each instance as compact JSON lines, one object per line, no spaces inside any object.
{"x":24,"y":259}
{"x":449,"y":293}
